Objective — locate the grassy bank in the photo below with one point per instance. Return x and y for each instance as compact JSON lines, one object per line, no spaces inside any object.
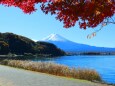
{"x":55,"y":69}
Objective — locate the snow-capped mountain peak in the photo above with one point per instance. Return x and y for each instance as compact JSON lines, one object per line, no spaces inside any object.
{"x":54,"y":37}
{"x":70,"y":46}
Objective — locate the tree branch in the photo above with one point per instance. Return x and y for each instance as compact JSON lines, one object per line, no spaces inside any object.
{"x":110,"y":22}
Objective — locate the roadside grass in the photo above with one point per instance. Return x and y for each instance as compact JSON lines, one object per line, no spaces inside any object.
{"x":55,"y":69}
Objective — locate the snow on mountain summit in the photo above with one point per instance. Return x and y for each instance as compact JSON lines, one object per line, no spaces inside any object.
{"x":54,"y":37}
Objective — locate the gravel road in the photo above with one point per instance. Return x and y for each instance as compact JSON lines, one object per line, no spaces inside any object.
{"x":18,"y":77}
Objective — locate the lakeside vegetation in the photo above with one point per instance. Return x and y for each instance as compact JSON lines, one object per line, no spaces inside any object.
{"x":55,"y":69}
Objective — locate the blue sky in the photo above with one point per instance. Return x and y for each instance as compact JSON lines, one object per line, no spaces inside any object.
{"x":38,"y":25}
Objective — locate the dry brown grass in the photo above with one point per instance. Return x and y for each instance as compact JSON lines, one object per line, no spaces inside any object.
{"x":55,"y":69}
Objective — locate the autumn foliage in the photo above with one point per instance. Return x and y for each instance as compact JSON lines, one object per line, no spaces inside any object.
{"x":88,"y":13}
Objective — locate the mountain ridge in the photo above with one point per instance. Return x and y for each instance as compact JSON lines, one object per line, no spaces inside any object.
{"x":68,"y":45}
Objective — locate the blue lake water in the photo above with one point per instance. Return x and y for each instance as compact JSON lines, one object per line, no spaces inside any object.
{"x":104,"y":65}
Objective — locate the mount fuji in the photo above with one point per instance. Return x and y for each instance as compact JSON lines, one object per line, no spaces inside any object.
{"x":70,"y":46}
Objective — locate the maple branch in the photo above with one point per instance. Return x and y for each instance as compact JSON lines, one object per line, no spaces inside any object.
{"x":110,"y":22}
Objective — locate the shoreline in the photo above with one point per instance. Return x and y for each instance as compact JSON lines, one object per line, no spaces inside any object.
{"x":54,"y":69}
{"x":72,"y":80}
{"x":29,"y":57}
{"x":103,"y":82}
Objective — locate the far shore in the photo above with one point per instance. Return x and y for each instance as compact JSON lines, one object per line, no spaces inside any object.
{"x":43,"y":56}
{"x":30,"y":56}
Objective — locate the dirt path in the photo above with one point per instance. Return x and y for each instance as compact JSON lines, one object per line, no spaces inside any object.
{"x":17,"y":77}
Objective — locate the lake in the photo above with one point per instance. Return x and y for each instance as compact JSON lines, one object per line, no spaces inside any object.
{"x":104,"y":65}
